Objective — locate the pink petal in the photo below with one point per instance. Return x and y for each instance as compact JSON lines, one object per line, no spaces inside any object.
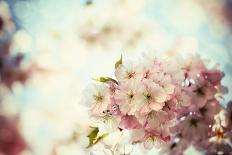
{"x":129,"y":122}
{"x":145,"y":109}
{"x":156,"y":106}
{"x":160,"y":95}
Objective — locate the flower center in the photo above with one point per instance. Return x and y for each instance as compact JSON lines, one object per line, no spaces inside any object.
{"x":173,"y":145}
{"x":130,"y":75}
{"x":146,"y":74}
{"x":98,"y":98}
{"x":219,"y":135}
{"x":148,"y":96}
{"x":130,"y":95}
{"x":200,"y":91}
{"x":203,"y":110}
{"x":193,"y":122}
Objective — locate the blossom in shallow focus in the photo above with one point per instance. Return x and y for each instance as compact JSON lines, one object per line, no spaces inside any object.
{"x":192,"y":65}
{"x":11,"y":60}
{"x":219,"y":139}
{"x":11,"y":141}
{"x":203,"y":91}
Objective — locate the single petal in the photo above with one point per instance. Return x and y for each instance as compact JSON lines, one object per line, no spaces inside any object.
{"x":157,"y":142}
{"x":148,"y":143}
{"x":156,"y":106}
{"x":145,"y":109}
{"x":160,"y":95}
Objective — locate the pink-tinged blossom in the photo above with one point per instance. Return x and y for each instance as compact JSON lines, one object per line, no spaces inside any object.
{"x":211,"y":109}
{"x":155,"y":119}
{"x":151,"y":141}
{"x":220,"y":138}
{"x":203,"y":91}
{"x":146,"y":71}
{"x":192,"y":128}
{"x":126,"y":72}
{"x":165,"y":81}
{"x":153,"y":98}
{"x":213,"y":76}
{"x":192,"y":65}
{"x":181,"y":98}
{"x":98,"y":97}
{"x":128,"y":97}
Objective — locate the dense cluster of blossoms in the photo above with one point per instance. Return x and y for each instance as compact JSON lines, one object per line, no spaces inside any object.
{"x":170,"y":103}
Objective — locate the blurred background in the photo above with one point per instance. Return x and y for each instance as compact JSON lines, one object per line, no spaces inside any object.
{"x":51,"y":49}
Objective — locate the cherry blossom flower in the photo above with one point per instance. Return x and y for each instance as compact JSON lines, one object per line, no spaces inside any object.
{"x":181,"y":98}
{"x":202,"y":92}
{"x":165,"y":81}
{"x":154,"y":98}
{"x":192,"y":65}
{"x":128,"y":97}
{"x":220,"y":138}
{"x":146,"y":71}
{"x":211,"y":109}
{"x":127,"y":71}
{"x":151,"y":141}
{"x":98,"y":97}
{"x":192,"y":128}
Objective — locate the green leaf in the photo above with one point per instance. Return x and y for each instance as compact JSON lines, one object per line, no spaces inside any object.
{"x":106,"y":79}
{"x":101,"y":137}
{"x":92,"y":137}
{"x":118,"y":63}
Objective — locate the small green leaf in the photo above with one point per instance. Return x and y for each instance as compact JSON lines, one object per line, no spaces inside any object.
{"x":118,"y":63}
{"x":92,"y":137}
{"x":101,"y":137}
{"x":106,"y":79}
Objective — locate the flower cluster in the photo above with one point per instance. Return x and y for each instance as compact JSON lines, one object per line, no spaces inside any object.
{"x":168,"y":103}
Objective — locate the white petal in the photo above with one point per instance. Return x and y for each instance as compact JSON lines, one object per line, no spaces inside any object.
{"x":148,"y":143}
